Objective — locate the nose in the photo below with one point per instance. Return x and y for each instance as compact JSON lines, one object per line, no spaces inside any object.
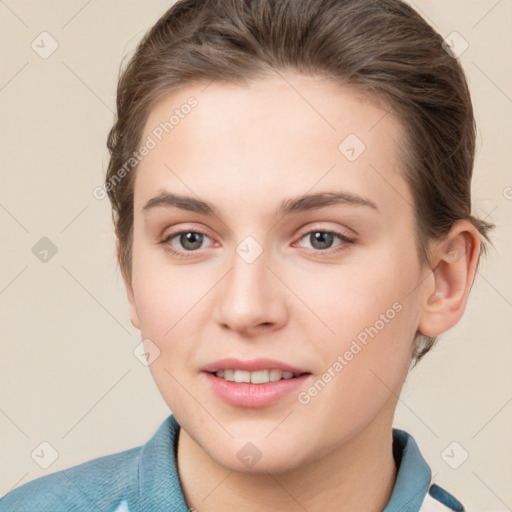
{"x":251,"y":299}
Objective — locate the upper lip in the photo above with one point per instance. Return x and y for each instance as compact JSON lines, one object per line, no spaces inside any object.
{"x":252,"y":365}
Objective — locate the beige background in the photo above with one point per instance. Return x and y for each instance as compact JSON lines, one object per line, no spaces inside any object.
{"x":67,"y":372}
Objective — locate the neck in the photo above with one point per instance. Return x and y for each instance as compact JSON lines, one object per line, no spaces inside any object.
{"x":358,"y":476}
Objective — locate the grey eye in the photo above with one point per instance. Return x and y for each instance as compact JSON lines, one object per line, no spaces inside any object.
{"x":320,"y":240}
{"x":190,"y":240}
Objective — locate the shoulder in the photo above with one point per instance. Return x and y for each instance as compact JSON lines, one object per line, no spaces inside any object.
{"x":132,"y":480}
{"x":99,"y":484}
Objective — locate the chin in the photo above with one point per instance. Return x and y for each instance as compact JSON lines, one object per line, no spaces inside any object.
{"x":273,"y":464}
{"x":258,"y":457}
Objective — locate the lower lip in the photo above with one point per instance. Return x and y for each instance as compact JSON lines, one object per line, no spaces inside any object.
{"x":243,"y":394}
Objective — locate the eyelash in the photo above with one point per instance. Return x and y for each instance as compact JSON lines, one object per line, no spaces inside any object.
{"x":189,"y":254}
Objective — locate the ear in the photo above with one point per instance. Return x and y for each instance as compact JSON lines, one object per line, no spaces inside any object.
{"x":454,"y":261}
{"x":134,"y":317}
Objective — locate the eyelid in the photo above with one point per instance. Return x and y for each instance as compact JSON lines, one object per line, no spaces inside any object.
{"x":172,"y":232}
{"x":351,"y":235}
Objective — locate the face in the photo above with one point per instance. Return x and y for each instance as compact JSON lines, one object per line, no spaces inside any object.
{"x":273,"y":228}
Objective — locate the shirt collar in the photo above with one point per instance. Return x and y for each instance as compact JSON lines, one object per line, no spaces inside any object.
{"x":414,"y":474}
{"x":159,"y":485}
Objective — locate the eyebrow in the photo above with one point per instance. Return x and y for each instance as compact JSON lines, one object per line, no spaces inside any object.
{"x":301,"y":203}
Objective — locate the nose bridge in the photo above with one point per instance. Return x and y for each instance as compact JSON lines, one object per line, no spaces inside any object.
{"x":250,"y":295}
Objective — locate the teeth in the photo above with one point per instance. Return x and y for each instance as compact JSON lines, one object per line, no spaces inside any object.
{"x":275,"y":375}
{"x":258,"y":377}
{"x":242,"y":376}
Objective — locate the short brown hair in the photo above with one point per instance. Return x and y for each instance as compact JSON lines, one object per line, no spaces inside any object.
{"x":382,"y":48}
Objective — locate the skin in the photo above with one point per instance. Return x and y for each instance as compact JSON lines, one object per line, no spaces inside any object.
{"x":245,"y":149}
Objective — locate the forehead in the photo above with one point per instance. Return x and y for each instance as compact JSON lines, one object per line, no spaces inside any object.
{"x":288,"y":133}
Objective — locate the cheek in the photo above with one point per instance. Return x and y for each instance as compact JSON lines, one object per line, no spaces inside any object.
{"x":365,"y":363}
{"x":170,"y":312}
{"x":346,"y":299}
{"x":364,"y":323}
{"x":164,"y":293}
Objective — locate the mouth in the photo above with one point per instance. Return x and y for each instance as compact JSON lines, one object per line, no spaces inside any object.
{"x":255,"y":371}
{"x":255,"y":383}
{"x":256,"y":377}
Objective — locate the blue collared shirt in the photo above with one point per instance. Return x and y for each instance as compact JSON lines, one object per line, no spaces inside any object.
{"x":145,"y":479}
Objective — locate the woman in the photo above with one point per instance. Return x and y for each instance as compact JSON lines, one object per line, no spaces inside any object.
{"x":290,"y":183}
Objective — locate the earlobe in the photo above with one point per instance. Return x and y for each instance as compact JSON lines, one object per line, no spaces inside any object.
{"x":454,"y":266}
{"x":134,"y":317}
